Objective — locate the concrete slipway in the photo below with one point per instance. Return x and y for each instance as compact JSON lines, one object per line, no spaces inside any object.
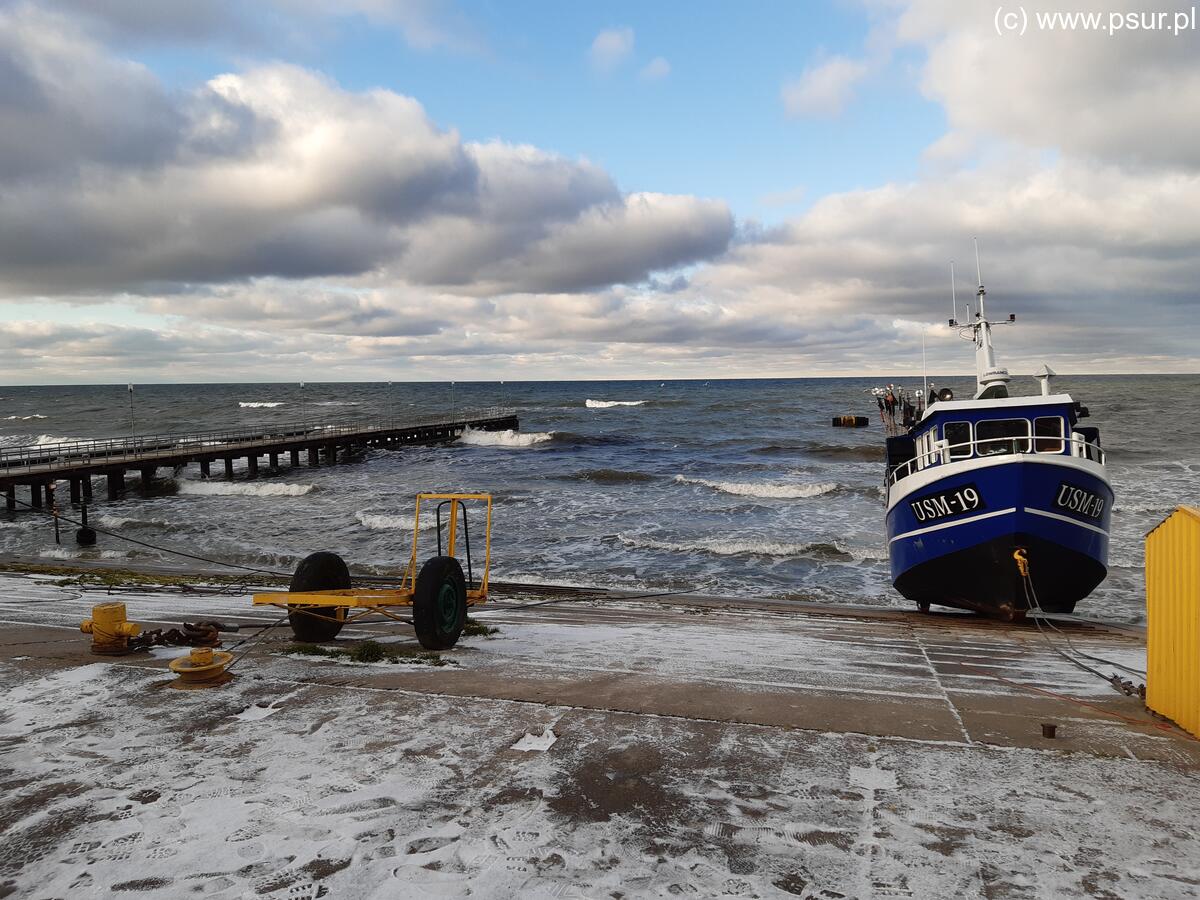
{"x":693,"y":748}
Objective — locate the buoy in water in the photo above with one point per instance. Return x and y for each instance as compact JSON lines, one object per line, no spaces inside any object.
{"x":851,"y":421}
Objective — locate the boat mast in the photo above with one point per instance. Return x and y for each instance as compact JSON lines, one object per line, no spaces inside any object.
{"x":992,"y":380}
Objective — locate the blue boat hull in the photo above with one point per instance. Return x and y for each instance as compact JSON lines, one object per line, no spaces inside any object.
{"x":963,"y":557}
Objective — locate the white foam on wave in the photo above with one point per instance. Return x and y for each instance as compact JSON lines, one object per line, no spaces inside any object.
{"x":111,"y":521}
{"x":243,"y":488}
{"x":44,"y":439}
{"x":259,"y":404}
{"x":728,"y":547}
{"x":606,"y":404}
{"x":386,"y":522}
{"x":23,"y":418}
{"x":63,"y":553}
{"x":508,"y":439}
{"x":763,"y":489}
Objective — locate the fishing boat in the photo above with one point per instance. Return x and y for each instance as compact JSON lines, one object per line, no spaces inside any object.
{"x":998,"y":504}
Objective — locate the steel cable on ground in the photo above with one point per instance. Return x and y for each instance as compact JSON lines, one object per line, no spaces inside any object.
{"x":1031,"y":600}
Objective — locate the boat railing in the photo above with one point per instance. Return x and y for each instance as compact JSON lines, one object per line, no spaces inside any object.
{"x":943,"y":451}
{"x":147,"y":446}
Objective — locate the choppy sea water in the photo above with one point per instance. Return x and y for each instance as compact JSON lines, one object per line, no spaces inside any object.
{"x":735,"y":487}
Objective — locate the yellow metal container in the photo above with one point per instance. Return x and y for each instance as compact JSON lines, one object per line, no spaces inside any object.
{"x":1173,"y":618}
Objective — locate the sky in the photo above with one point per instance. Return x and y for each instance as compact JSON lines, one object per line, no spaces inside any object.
{"x":438,"y":190}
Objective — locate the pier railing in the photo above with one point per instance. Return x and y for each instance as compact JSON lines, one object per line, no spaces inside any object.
{"x":149,"y":446}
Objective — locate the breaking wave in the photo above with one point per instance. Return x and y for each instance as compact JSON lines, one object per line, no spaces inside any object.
{"x":228,"y":488}
{"x":259,"y":404}
{"x":110,"y":521}
{"x":763,"y":489}
{"x":386,"y":522}
{"x":23,"y":418}
{"x":63,"y":553}
{"x":509,"y":439}
{"x":44,"y":439}
{"x":821,"y":550}
{"x":606,"y":404}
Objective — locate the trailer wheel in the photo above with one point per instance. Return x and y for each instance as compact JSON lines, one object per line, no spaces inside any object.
{"x":440,"y":603}
{"x":318,"y":572}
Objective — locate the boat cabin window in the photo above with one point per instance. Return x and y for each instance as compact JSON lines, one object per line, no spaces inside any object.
{"x":995,"y":436}
{"x":1048,"y":434}
{"x":958,"y":433}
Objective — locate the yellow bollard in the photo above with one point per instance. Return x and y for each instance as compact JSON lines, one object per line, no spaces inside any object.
{"x":203,"y":667}
{"x":109,"y":629}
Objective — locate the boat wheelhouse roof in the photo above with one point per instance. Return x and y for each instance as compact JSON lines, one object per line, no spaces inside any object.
{"x":1000,"y":404}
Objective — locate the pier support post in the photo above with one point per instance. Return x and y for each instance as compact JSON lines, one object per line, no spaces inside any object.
{"x":295,"y":457}
{"x":252,"y":466}
{"x":10,"y":498}
{"x":314,"y":457}
{"x":76,"y":494}
{"x":205,"y":466}
{"x":331,"y":454}
{"x":148,"y":473}
{"x":50,"y":491}
{"x":86,"y":483}
{"x":274,"y":460}
{"x":116,"y":484}
{"x":35,"y":496}
{"x":228,"y":467}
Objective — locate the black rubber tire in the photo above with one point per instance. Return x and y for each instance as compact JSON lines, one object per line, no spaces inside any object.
{"x":440,"y":603}
{"x":321,"y":571}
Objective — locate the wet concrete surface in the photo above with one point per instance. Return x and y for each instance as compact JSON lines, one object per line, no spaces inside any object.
{"x":698,"y":747}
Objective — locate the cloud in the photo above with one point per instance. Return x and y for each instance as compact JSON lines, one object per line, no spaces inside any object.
{"x":1121,"y":99}
{"x":655,"y":70}
{"x":824,"y":89}
{"x":271,"y":221}
{"x":277,"y":172}
{"x":424,"y":24}
{"x":610,"y":48}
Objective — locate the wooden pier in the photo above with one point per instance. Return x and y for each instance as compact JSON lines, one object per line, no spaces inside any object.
{"x":40,"y":467}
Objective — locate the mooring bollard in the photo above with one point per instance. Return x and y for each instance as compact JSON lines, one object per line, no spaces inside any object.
{"x":109,"y":629}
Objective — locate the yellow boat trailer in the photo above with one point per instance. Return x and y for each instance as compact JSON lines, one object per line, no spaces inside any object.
{"x":321,"y":598}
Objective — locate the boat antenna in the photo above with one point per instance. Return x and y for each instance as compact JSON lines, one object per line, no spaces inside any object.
{"x":953,"y":298}
{"x":979,"y":279}
{"x":924,"y":370}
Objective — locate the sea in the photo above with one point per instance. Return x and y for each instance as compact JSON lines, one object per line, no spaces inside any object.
{"x":732,"y":487}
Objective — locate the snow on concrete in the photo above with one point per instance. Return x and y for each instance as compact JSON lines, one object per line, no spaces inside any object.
{"x":115,"y":782}
{"x":536,"y":742}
